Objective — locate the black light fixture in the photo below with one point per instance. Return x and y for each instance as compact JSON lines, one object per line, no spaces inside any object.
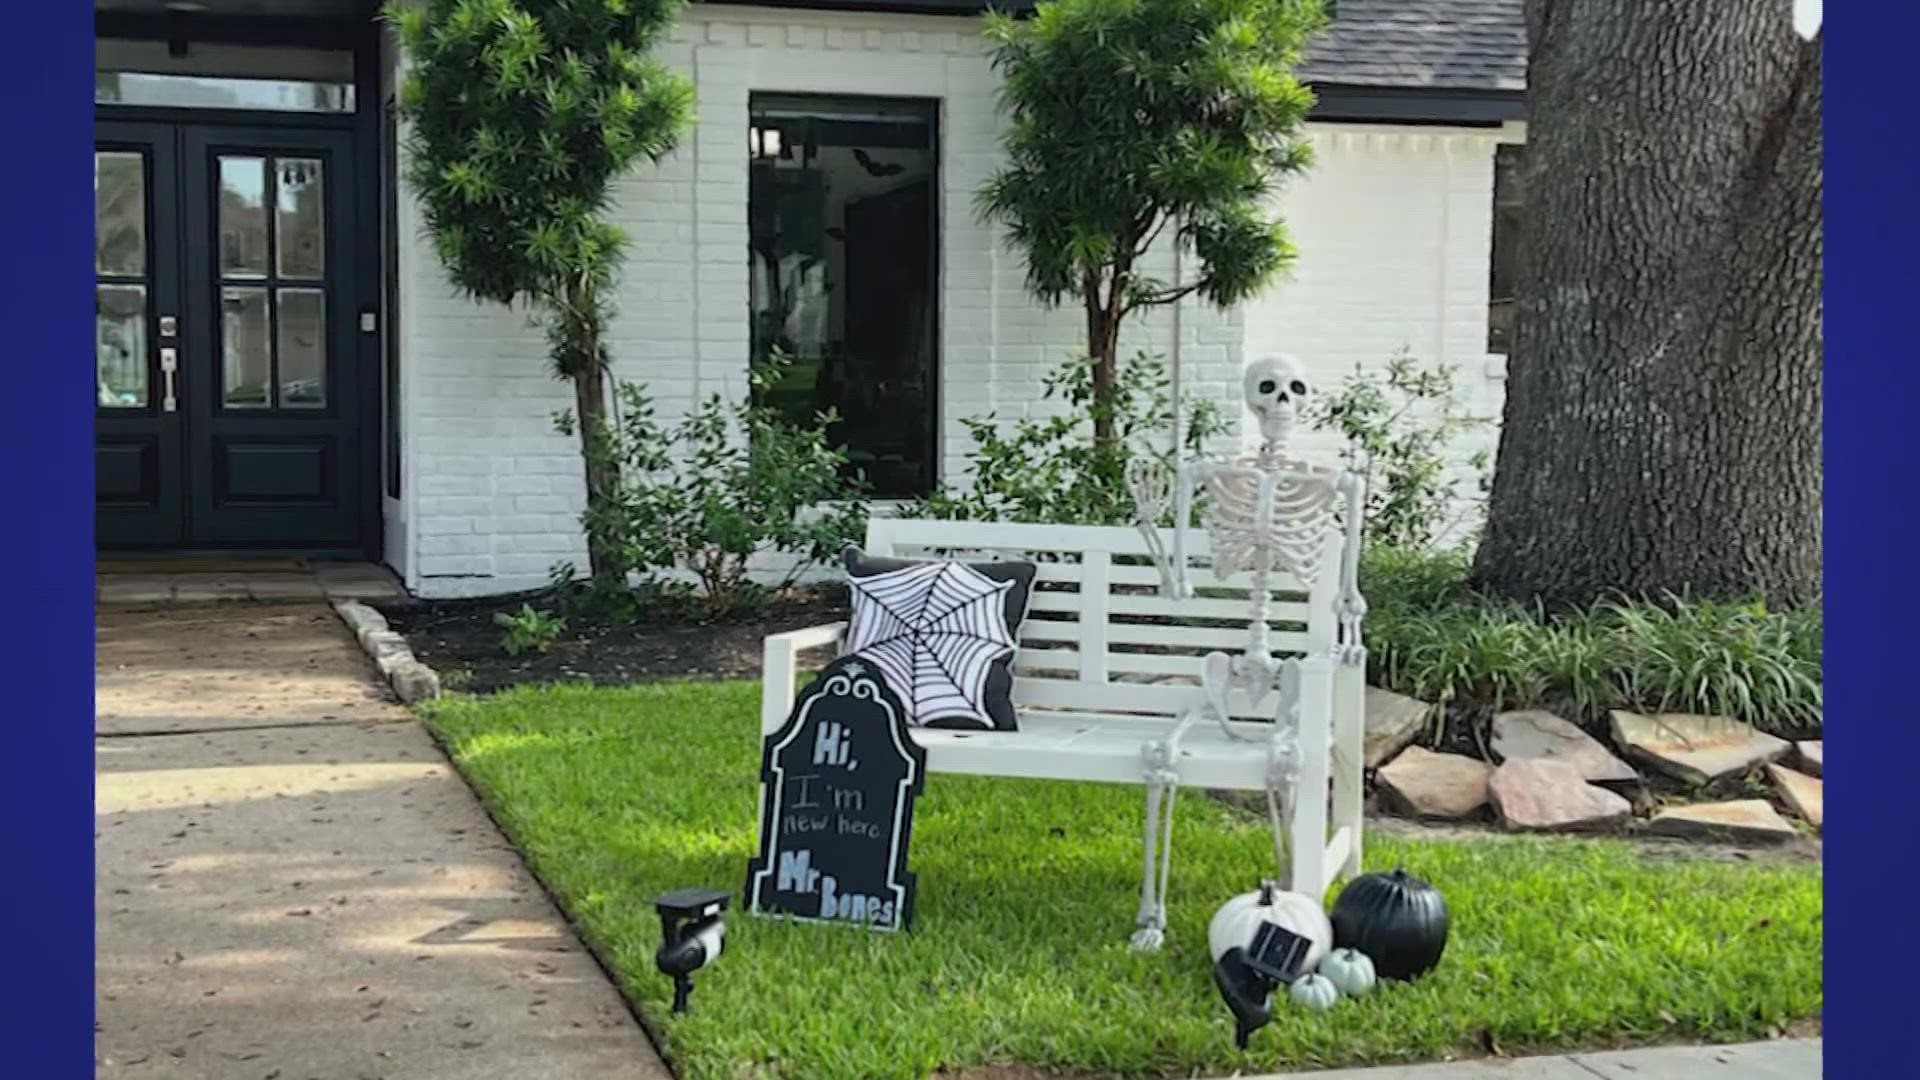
{"x":1247,"y":976}
{"x":691,"y":932}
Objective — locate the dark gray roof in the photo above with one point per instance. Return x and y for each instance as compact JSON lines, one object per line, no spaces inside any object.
{"x":1375,"y":45}
{"x":1437,"y":44}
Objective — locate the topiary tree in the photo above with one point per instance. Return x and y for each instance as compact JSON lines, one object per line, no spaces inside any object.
{"x":522,"y":113}
{"x":1127,"y":115}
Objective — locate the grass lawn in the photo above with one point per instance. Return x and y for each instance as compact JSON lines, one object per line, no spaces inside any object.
{"x":1027,"y":894}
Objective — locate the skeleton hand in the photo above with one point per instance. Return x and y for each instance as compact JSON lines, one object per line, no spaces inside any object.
{"x":1350,"y":613}
{"x":1154,"y":487}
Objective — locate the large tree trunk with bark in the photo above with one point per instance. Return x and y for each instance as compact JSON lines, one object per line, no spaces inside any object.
{"x":1662,"y":426}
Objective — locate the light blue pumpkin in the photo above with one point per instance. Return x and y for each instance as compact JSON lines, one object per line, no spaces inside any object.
{"x":1349,"y":971}
{"x":1316,"y":992}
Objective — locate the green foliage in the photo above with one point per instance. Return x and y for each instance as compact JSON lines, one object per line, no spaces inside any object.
{"x":1016,"y":963}
{"x":1048,"y":470}
{"x":725,"y":484}
{"x":1125,"y":116}
{"x":1400,"y":424}
{"x":529,"y":630}
{"x":1429,"y":636}
{"x":523,"y":112}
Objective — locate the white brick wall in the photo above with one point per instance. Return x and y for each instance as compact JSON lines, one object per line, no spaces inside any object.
{"x":1392,"y":228}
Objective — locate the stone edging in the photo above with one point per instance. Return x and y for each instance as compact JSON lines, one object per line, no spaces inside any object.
{"x":411,"y":680}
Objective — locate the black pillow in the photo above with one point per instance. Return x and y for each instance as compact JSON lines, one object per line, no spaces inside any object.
{"x":999,"y":688}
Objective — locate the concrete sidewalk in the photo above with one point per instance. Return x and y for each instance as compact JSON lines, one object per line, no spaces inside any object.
{"x":1781,"y":1059}
{"x":292,"y":882}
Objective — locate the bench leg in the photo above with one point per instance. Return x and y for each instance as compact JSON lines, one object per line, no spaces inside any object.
{"x":1310,"y":873}
{"x":1349,"y":758}
{"x":1157,"y":862}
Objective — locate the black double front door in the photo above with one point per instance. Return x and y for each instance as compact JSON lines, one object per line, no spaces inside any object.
{"x":229,"y":396}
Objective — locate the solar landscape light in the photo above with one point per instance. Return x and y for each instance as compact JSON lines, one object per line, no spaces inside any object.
{"x":691,"y":932}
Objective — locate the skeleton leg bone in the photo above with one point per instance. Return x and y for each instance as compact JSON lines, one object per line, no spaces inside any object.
{"x":1157,"y":861}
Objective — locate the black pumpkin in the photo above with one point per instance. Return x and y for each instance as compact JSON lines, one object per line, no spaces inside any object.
{"x":1397,"y":920}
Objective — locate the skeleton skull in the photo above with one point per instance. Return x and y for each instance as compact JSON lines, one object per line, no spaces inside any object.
{"x":1276,"y":392}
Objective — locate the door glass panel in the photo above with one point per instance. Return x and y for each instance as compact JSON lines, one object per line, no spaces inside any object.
{"x":119,"y":212}
{"x":300,"y":217}
{"x":246,"y":356}
{"x":302,"y":329}
{"x":243,"y":217}
{"x":120,"y":345}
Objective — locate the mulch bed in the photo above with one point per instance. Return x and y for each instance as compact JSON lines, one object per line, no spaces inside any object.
{"x":460,"y":639}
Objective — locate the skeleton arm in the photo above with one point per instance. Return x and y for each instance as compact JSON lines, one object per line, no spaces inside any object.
{"x":1351,"y":607}
{"x":1187,"y":477}
{"x":1153,"y":485}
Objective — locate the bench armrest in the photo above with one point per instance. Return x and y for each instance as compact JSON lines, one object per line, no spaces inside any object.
{"x":807,"y":637}
{"x":780,"y":666}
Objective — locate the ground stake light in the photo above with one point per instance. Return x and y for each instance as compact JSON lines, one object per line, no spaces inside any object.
{"x":691,"y":932}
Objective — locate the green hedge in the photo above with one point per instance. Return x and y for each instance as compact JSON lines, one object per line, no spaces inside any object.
{"x":1430,"y":636}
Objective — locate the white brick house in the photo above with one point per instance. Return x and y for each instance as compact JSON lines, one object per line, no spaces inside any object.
{"x":476,"y":491}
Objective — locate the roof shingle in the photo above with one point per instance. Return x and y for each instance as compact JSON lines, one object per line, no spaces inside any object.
{"x":1450,"y":44}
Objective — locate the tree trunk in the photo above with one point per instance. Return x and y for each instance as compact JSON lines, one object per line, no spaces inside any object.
{"x":1662,"y":425}
{"x":1103,"y":346}
{"x":604,"y":556}
{"x":578,"y":357}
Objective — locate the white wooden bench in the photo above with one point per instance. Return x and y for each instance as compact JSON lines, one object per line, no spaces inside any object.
{"x":1107,"y":667}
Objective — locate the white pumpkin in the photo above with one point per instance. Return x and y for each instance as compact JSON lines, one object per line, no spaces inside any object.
{"x":1349,"y":971}
{"x":1233,"y":926}
{"x":1316,"y":992}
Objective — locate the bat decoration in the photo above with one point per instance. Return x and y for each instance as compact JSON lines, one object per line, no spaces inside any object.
{"x":876,"y":168}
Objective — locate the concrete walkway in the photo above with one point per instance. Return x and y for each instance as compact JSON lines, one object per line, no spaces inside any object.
{"x":183,"y":580}
{"x":292,"y":883}
{"x":1781,"y":1059}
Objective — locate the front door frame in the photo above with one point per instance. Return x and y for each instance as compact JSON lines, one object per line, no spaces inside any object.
{"x":361,"y":34}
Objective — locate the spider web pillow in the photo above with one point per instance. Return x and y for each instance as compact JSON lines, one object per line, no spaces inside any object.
{"x":943,"y":633}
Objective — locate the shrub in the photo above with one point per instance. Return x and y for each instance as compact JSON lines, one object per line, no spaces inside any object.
{"x":522,"y":115}
{"x":1429,"y":636}
{"x":529,"y":630}
{"x":728,"y":483}
{"x":1400,"y":424}
{"x":1053,"y":470}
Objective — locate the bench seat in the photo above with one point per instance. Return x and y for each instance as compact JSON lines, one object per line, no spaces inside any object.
{"x":1102,"y":747}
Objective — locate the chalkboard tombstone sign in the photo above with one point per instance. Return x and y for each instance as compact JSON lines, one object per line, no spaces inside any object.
{"x":837,"y":784}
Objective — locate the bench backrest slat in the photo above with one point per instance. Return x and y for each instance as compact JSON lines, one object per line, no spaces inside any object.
{"x":1096,"y":623}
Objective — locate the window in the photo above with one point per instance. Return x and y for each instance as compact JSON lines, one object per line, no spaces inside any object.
{"x":843,"y":248}
{"x":1508,"y":193}
{"x":272,"y":277}
{"x":220,"y":76}
{"x":120,"y":285}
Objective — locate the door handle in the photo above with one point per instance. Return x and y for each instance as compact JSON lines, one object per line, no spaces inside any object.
{"x":169,"y":363}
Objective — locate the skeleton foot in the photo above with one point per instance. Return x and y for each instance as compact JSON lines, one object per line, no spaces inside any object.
{"x":1148,"y":939}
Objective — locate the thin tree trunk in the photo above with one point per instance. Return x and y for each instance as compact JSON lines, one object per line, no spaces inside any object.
{"x":604,"y":557}
{"x":1103,"y":346}
{"x":1662,"y":425}
{"x":578,"y":357}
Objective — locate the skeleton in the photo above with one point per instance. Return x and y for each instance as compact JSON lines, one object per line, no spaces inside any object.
{"x":1266,"y":512}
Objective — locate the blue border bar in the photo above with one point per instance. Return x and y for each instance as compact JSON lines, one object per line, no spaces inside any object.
{"x":1872,"y":400}
{"x":46,"y":539}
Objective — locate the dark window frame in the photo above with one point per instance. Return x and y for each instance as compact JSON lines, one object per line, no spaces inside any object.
{"x":1503,"y":248}
{"x":927,"y":110}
